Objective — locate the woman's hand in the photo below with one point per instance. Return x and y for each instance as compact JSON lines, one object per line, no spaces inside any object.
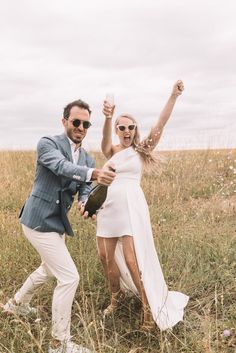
{"x":108,"y":109}
{"x":178,"y":88}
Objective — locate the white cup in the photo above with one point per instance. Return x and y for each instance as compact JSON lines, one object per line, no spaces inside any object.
{"x":110,"y":98}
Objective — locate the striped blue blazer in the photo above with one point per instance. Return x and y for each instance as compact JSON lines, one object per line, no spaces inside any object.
{"x":57,"y":180}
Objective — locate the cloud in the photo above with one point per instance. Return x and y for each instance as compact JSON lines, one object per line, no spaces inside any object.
{"x":56,"y":51}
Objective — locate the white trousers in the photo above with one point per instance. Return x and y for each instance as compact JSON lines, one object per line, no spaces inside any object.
{"x":56,"y":262}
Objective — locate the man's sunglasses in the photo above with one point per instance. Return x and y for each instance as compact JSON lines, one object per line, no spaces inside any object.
{"x":76,"y":123}
{"x":123,"y":127}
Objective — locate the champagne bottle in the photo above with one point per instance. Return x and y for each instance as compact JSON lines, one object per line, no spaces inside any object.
{"x":96,"y":198}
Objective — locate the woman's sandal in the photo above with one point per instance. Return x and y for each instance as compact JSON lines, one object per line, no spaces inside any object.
{"x":116,"y":299}
{"x":147,"y":326}
{"x":148,"y":323}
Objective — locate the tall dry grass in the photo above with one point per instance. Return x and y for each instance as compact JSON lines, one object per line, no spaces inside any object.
{"x":193,"y":212}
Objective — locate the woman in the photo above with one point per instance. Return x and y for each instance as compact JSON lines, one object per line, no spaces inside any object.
{"x":124,"y":234}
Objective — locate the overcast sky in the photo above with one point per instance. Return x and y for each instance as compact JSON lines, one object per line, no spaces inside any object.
{"x":53,"y":52}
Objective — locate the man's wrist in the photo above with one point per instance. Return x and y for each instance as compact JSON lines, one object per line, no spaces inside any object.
{"x":89,"y":174}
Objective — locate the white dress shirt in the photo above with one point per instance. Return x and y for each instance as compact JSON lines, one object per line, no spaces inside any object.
{"x":75,"y":156}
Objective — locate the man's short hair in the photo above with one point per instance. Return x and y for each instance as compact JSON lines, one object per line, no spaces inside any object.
{"x":78,"y":103}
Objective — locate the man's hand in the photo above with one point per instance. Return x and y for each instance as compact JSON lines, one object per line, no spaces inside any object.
{"x":103,"y":176}
{"x":81,"y":206}
{"x":178,"y":88}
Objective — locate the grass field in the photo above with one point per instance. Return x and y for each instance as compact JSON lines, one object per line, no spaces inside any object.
{"x":193,"y":211}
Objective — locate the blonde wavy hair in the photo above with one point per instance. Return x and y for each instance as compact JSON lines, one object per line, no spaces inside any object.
{"x":144,"y":148}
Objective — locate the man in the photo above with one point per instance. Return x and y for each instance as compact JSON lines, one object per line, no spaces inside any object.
{"x":63,"y":168}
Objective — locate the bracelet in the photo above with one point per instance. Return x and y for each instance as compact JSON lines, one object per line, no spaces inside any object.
{"x":108,"y":116}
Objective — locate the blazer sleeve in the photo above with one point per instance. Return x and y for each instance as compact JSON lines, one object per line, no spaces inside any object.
{"x":85,"y":187}
{"x":51,"y":157}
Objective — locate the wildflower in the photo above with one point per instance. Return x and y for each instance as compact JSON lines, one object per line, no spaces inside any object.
{"x":226,"y":333}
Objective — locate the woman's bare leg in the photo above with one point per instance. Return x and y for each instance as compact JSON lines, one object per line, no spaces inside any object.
{"x":106,"y":251}
{"x":132,"y":264}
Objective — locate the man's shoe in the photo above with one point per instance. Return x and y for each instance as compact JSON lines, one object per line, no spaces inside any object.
{"x":69,"y":347}
{"x":11,"y":307}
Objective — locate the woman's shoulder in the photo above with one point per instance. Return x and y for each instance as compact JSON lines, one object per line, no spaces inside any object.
{"x":123,"y":150}
{"x":118,"y":148}
{"x":115,"y":149}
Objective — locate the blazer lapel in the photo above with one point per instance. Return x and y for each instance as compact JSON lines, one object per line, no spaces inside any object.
{"x":81,"y":160}
{"x":66,"y":147}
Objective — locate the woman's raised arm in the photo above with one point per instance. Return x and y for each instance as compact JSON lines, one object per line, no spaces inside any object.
{"x":106,"y":145}
{"x":156,"y":131}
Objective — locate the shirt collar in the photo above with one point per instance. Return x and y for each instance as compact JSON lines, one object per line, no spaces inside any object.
{"x":73,"y":146}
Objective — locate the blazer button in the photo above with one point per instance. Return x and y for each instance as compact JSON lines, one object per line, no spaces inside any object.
{"x":77,"y":177}
{"x":58,"y":201}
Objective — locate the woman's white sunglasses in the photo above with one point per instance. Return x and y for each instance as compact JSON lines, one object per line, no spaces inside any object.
{"x":123,"y":127}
